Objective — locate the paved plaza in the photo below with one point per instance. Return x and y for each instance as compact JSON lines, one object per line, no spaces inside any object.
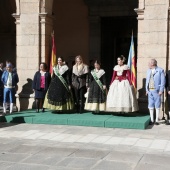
{"x":58,"y":147}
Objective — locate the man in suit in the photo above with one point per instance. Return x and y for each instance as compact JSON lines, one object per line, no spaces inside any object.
{"x":155,"y":84}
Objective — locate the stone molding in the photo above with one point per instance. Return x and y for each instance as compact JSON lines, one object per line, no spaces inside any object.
{"x":17,"y":17}
{"x":140,"y":13}
{"x":45,"y":18}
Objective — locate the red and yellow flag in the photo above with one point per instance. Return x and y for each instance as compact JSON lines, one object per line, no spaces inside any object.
{"x":132,"y":63}
{"x":53,"y":60}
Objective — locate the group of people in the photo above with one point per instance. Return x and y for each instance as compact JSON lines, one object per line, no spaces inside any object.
{"x":86,"y":89}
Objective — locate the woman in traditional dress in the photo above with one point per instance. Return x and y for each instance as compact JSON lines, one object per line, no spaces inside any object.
{"x":96,"y":99}
{"x":80,"y":82}
{"x":121,"y":96}
{"x":59,"y":95}
{"x":40,"y":85}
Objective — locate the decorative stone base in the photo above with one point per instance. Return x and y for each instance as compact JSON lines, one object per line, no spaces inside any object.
{"x":25,"y":101}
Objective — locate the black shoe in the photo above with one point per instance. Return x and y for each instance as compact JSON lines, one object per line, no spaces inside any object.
{"x":59,"y":111}
{"x":156,"y":123}
{"x":81,"y":111}
{"x":151,"y":123}
{"x":43,"y":110}
{"x":167,"y":122}
{"x":77,"y":109}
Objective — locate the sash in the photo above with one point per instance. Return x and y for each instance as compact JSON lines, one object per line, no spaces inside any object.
{"x":98,"y":81}
{"x":61,"y":78}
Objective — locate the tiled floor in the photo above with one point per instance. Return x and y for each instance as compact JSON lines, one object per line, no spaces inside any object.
{"x":50,"y":147}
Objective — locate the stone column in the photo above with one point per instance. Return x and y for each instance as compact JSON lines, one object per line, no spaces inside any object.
{"x":46,"y":28}
{"x":32,"y":39}
{"x":152,"y":41}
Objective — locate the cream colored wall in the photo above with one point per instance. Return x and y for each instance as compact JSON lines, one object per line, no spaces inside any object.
{"x":152,"y":39}
{"x":71,"y":28}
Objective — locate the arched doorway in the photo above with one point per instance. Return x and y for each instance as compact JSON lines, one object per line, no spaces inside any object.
{"x":115,"y":40}
{"x":111,"y":24}
{"x":7,"y":31}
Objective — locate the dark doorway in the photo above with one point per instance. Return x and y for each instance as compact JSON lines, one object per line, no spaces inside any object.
{"x":7,"y":31}
{"x":115,"y":40}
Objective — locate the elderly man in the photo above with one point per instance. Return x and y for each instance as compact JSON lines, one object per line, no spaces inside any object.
{"x":155,"y":84}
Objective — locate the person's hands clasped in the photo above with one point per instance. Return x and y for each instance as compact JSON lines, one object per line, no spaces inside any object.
{"x":160,"y":93}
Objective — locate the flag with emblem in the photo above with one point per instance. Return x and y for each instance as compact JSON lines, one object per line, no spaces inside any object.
{"x":132,"y":63}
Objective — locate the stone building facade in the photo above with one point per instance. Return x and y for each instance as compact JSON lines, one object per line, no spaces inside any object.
{"x":96,"y":29}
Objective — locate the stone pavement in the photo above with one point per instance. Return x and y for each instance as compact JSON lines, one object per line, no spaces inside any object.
{"x":56,"y":147}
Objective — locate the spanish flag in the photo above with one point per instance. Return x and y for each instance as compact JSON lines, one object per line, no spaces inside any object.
{"x":53,"y":55}
{"x":132,"y":63}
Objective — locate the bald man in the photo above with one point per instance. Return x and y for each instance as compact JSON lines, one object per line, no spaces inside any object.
{"x":155,"y":84}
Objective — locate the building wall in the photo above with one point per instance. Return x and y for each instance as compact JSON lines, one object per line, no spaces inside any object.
{"x":71,"y":28}
{"x":152,"y":40}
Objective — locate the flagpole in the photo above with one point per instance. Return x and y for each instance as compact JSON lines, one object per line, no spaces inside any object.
{"x":53,"y":54}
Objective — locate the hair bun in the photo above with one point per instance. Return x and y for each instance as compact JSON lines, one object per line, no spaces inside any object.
{"x":97,"y":62}
{"x":122,"y":58}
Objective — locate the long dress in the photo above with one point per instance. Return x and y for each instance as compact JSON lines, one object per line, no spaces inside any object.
{"x":96,"y":99}
{"x":59,"y":96}
{"x":121,"y":95}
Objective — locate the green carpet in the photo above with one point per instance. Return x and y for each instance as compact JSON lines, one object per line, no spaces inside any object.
{"x":89,"y":119}
{"x":138,"y":122}
{"x":128,"y":121}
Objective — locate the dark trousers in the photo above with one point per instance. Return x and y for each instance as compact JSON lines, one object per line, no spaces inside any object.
{"x":79,"y":98}
{"x":1,"y":95}
{"x":168,"y":105}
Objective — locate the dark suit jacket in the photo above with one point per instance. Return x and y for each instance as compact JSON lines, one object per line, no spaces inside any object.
{"x":168,"y":81}
{"x":15,"y":78}
{"x":1,"y":83}
{"x":37,"y":80}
